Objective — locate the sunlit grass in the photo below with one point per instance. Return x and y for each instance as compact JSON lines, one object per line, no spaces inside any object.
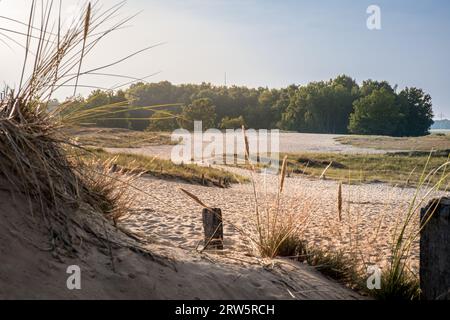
{"x":166,"y":169}
{"x":117,"y":138}
{"x":434,"y":141}
{"x":396,"y":169}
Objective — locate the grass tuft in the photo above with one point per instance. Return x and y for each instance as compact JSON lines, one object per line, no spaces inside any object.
{"x":34,"y":150}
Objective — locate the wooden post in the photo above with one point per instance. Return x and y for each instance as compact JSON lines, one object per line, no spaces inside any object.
{"x":435,"y":250}
{"x":213,"y":227}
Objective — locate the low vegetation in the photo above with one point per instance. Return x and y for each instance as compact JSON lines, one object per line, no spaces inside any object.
{"x":348,"y":265}
{"x":398,"y":169}
{"x":282,"y":232}
{"x":436,"y":141}
{"x":166,"y":169}
{"x":117,"y":138}
{"x":36,"y":164}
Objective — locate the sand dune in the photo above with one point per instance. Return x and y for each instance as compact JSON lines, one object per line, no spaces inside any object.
{"x":370,"y":213}
{"x":118,"y":267}
{"x":164,"y":259}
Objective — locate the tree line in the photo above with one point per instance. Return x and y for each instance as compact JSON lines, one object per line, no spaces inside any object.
{"x":339,"y":105}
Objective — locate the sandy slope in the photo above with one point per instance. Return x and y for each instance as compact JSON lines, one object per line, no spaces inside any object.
{"x":137,"y":270}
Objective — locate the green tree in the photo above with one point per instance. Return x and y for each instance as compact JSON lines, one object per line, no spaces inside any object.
{"x":199,"y":110}
{"x":368,"y":86}
{"x":322,"y":107}
{"x":97,"y":98}
{"x":232,"y":123}
{"x":418,"y":110}
{"x":377,"y":113}
{"x":163,"y":121}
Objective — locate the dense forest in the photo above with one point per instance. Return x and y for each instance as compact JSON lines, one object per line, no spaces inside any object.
{"x":339,"y":105}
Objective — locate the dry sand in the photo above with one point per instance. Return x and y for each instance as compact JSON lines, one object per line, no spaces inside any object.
{"x":164,"y":262}
{"x":370,"y":213}
{"x":118,"y":267}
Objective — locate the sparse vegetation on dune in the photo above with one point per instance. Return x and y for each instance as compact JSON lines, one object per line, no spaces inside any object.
{"x":109,"y":190}
{"x":426,"y":143}
{"x":399,"y":169}
{"x":34,"y":161}
{"x":345,"y":247}
{"x":70,"y":196}
{"x":283,"y":231}
{"x":396,"y":169}
{"x":117,"y":138}
{"x":58,"y":179}
{"x":166,"y":169}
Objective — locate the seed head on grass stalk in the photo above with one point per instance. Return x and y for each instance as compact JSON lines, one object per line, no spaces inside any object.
{"x":195,"y":198}
{"x":275,"y":234}
{"x":274,"y":221}
{"x":87,"y":22}
{"x":255,"y":193}
{"x":283,"y":174}
{"x":340,"y":201}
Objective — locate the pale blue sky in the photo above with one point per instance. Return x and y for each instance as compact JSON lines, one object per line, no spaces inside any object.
{"x":276,"y":43}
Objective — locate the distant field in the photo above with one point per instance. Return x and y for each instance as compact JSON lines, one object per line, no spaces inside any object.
{"x":436,"y":141}
{"x":399,"y":169}
{"x":118,"y":138}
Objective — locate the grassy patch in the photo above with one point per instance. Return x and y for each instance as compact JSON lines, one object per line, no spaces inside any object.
{"x":400,"y":169}
{"x":426,"y":143}
{"x":166,"y":169}
{"x":118,"y":138}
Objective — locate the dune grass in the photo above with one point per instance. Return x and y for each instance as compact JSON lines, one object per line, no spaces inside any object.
{"x":398,"y":282}
{"x":166,"y":169}
{"x":435,"y":141}
{"x":34,"y":160}
{"x":396,"y":169}
{"x":348,"y":265}
{"x":117,"y":138}
{"x":282,"y":232}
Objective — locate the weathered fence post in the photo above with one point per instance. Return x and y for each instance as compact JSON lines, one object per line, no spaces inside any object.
{"x":213,"y":227}
{"x":435,"y":250}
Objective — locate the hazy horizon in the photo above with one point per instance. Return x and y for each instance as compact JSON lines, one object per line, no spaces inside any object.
{"x":268,"y":44}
